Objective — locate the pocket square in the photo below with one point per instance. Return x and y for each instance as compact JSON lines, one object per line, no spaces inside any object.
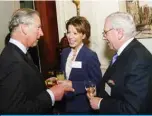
{"x":111,"y":82}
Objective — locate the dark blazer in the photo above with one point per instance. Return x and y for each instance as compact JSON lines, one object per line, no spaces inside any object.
{"x":22,"y":88}
{"x":77,"y":102}
{"x":130,"y":76}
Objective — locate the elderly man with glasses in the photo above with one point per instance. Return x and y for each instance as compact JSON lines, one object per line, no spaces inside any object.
{"x":126,"y":85}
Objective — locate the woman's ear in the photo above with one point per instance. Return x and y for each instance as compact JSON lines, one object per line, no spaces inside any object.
{"x":84,"y":36}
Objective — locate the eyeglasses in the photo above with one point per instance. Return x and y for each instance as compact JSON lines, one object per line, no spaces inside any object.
{"x":105,"y":32}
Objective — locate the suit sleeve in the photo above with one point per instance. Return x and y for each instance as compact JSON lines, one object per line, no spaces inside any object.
{"x":61,"y":60}
{"x":134,"y":94}
{"x":14,"y":99}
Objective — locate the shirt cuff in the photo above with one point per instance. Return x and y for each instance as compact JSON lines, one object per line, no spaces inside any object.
{"x":99,"y":104}
{"x":52,"y":96}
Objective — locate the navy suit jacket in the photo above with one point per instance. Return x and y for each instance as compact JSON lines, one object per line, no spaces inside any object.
{"x":22,"y":87}
{"x":130,"y":76}
{"x":77,"y":101}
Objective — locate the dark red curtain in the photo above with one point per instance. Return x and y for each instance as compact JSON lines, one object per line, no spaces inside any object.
{"x":48,"y":44}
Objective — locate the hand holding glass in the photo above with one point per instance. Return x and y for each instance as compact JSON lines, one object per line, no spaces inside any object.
{"x":60,"y":76}
{"x":51,"y":82}
{"x":90,"y":88}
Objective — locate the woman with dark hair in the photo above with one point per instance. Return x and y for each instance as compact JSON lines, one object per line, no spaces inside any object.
{"x":80,"y":64}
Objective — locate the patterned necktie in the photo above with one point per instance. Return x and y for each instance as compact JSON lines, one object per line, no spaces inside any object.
{"x":114,"y":58}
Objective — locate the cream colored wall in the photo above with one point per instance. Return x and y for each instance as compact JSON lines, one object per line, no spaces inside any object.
{"x":65,"y":10}
{"x":96,"y":11}
{"x":6,"y":10}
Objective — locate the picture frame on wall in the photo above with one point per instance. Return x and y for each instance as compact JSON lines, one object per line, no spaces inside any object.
{"x":141,"y":10}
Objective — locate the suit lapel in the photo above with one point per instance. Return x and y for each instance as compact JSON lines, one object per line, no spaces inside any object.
{"x":65,"y":56}
{"x":31,"y":63}
{"x":21,"y":56}
{"x":79,"y":57}
{"x":121,"y":58}
{"x":80,"y":54}
{"x":117,"y":65}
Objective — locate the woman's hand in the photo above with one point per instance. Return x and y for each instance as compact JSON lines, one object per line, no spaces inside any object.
{"x":66,"y":83}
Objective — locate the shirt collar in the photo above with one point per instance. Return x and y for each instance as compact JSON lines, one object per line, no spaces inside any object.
{"x":78,"y":49}
{"x":124,"y":46}
{"x":19,"y":45}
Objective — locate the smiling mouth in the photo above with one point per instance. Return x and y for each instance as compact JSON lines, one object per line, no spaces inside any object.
{"x":71,"y":41}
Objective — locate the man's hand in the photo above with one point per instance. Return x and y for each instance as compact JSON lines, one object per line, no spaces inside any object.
{"x":59,"y":90}
{"x":94,"y":102}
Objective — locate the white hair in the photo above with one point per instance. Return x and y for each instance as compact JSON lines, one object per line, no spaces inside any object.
{"x":22,"y":16}
{"x":123,"y":20}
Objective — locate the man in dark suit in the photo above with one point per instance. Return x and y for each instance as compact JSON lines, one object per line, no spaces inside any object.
{"x":125,"y":87}
{"x":22,"y":88}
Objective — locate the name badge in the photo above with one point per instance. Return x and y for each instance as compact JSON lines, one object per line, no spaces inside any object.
{"x":76,"y":64}
{"x":108,"y":89}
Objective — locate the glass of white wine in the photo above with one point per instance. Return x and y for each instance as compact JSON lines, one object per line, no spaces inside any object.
{"x":60,"y":75}
{"x":90,"y":87}
{"x":51,"y":82}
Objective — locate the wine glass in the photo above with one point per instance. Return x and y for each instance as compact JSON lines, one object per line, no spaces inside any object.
{"x":51,"y":82}
{"x":90,"y":87}
{"x":60,"y":75}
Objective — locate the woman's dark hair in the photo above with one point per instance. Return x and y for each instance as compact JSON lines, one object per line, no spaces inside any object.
{"x":81,"y":24}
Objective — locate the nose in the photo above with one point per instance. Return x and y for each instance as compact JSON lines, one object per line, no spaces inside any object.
{"x":103,"y":37}
{"x":69,"y":35}
{"x":41,"y":32}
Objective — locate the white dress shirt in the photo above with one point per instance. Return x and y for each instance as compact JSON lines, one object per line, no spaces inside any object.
{"x":124,"y":46}
{"x":19,"y":45}
{"x":72,"y":56}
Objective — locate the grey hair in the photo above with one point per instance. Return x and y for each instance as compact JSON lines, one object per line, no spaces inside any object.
{"x":123,"y":20}
{"x":22,"y":16}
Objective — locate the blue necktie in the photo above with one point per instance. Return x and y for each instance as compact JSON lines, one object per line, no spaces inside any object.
{"x":114,"y":58}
